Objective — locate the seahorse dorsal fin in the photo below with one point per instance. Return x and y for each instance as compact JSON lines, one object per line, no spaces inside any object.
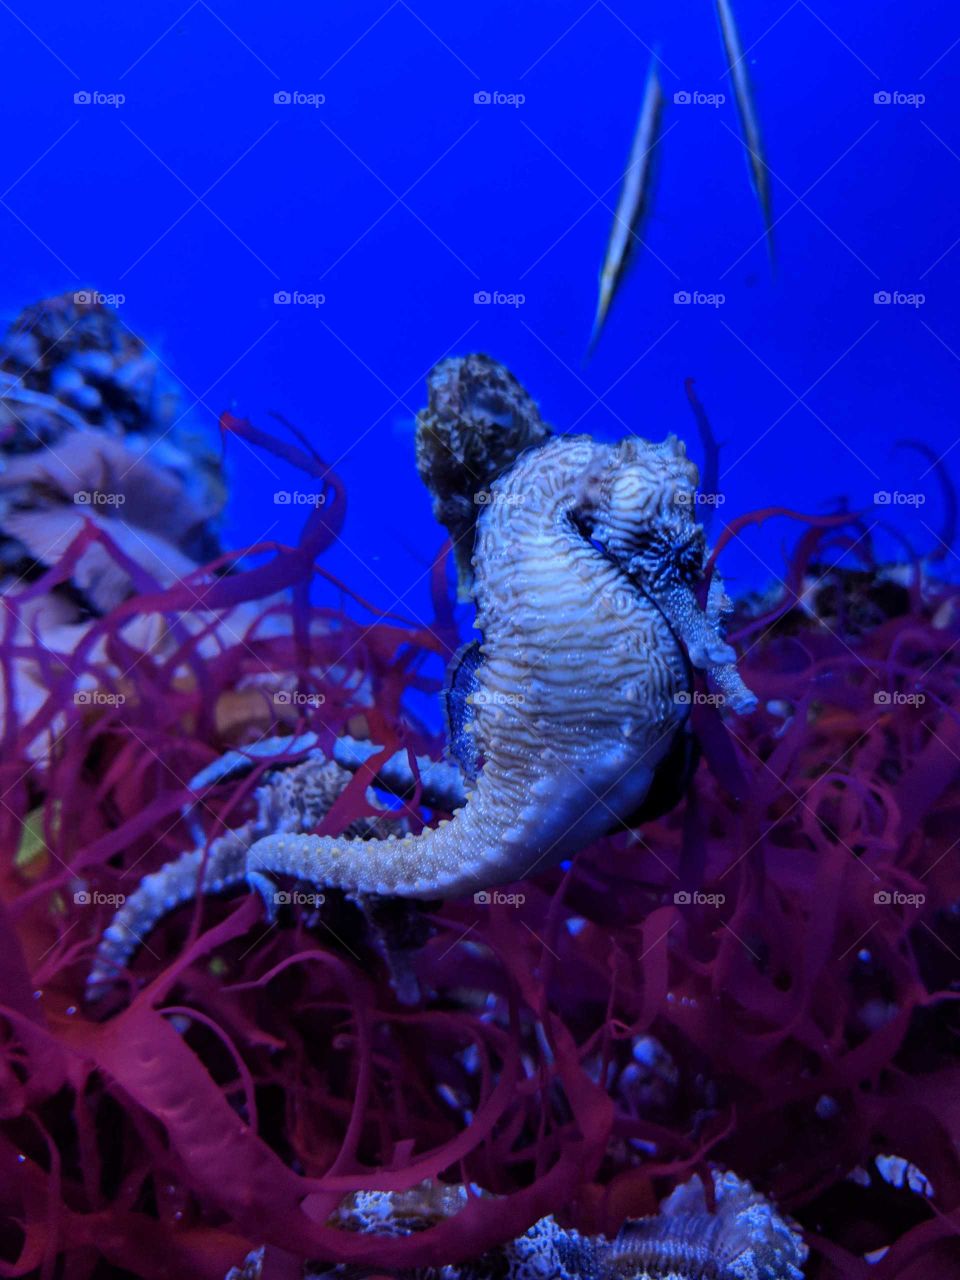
{"x":461,"y":681}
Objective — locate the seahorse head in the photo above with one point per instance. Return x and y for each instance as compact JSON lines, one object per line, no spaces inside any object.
{"x":643,"y":505}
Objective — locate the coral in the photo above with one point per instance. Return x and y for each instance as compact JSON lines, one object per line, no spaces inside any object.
{"x":47,"y":498}
{"x":477,"y":422}
{"x":740,"y":1236}
{"x":71,"y":370}
{"x":74,"y":351}
{"x":99,"y":462}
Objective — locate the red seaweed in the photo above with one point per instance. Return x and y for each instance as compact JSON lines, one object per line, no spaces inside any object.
{"x":788,"y":937}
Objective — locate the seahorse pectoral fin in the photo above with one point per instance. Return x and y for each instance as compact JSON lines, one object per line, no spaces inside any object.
{"x":461,"y":684}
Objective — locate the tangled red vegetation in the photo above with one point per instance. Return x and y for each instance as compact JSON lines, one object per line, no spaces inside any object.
{"x":765,"y":978}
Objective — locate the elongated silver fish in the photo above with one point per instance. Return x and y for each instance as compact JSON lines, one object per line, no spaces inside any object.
{"x":749,"y":126}
{"x":634,"y":201}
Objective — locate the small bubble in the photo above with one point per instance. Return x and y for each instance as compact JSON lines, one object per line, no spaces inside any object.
{"x":827,"y":1107}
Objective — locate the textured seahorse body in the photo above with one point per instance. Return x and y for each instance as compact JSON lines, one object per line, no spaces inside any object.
{"x":580,"y":691}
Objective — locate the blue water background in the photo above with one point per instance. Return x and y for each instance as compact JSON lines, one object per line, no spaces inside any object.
{"x":400,"y":197}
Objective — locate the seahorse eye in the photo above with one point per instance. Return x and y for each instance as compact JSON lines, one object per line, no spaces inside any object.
{"x":688,"y":553}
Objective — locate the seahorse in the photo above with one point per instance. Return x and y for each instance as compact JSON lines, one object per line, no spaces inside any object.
{"x":586,"y":564}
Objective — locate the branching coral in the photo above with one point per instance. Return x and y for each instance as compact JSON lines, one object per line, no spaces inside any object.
{"x":739,"y":1236}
